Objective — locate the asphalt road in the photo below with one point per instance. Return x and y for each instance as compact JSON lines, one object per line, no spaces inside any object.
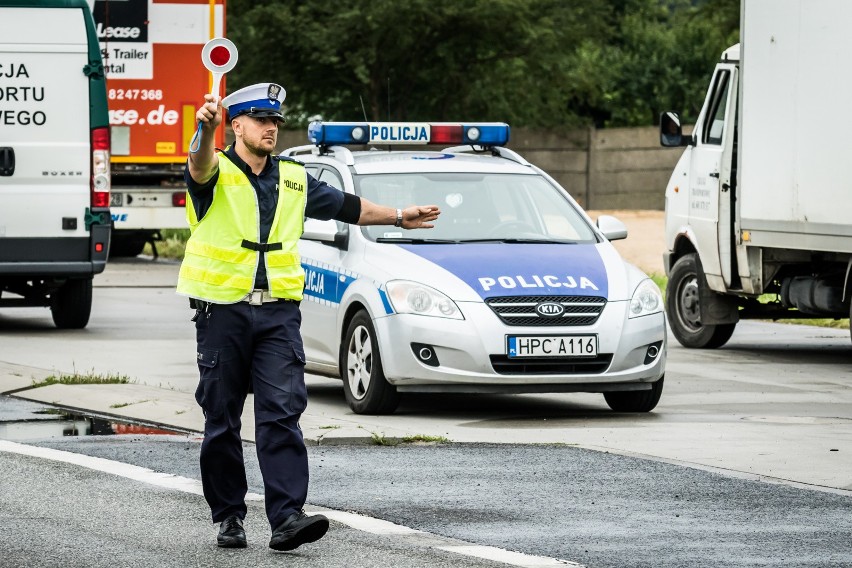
{"x":594,"y":508}
{"x":747,"y":461}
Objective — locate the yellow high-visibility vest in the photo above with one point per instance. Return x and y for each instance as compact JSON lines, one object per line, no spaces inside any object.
{"x":217,"y":267}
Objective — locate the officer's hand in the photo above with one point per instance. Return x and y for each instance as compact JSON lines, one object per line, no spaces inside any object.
{"x":420,"y":216}
{"x":209,"y":114}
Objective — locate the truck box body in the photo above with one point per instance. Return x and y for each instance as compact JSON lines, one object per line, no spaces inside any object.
{"x":155,"y":83}
{"x":758,"y":203}
{"x":796,"y":76}
{"x":54,"y":176}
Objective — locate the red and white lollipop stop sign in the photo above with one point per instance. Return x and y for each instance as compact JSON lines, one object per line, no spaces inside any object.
{"x":219,"y":56}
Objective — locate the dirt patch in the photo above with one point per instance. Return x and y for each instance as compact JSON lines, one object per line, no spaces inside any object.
{"x":645,"y":242}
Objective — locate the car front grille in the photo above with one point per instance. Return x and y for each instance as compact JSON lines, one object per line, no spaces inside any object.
{"x":575,"y":366}
{"x":520,"y":310}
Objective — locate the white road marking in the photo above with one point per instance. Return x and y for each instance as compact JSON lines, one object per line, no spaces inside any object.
{"x":134,"y":472}
{"x":353,"y":520}
{"x":507,"y":556}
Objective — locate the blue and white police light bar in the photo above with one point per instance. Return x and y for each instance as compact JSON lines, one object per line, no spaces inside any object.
{"x":418,"y":133}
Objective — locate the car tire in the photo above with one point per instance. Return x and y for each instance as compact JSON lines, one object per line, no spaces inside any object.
{"x":71,"y":304}
{"x":364,"y":384}
{"x":683,"y":311}
{"x":635,"y":401}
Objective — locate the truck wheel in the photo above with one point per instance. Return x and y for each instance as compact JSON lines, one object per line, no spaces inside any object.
{"x":683,"y":311}
{"x":635,"y":401}
{"x":71,"y":304}
{"x":364,"y":384}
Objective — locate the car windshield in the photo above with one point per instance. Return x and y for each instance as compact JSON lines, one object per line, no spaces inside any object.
{"x":477,"y":207}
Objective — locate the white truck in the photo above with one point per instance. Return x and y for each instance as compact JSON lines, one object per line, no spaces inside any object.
{"x":54,"y":158}
{"x":760,"y":201}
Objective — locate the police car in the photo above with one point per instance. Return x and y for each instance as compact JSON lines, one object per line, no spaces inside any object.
{"x":515,"y":289}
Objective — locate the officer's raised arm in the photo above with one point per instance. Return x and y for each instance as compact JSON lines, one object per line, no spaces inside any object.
{"x":414,"y":217}
{"x":204,"y":162}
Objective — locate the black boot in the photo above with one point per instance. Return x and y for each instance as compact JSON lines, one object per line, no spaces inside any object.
{"x":297,"y":530}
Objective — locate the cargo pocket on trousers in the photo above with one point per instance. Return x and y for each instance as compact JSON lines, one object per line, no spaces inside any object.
{"x":208,"y":393}
{"x":298,"y":399}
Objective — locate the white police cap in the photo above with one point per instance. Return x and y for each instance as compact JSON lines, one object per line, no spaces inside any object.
{"x":263,"y":99}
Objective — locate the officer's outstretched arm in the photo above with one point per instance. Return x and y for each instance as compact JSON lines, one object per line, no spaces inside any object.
{"x":204,"y":162}
{"x":414,"y":217}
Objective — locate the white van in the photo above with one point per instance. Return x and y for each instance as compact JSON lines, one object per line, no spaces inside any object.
{"x":54,"y":158}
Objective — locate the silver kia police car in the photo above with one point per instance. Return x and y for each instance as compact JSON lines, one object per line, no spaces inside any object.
{"x":515,"y":290}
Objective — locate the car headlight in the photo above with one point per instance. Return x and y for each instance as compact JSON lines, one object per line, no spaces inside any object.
{"x":413,"y":298}
{"x":646,"y":300}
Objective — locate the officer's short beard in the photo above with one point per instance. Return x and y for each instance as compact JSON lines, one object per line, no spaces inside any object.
{"x":257,"y":150}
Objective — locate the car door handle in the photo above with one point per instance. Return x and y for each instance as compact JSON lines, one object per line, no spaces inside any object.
{"x":714,"y":175}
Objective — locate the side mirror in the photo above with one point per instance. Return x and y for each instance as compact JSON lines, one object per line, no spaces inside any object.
{"x":325,"y":232}
{"x":671,"y":133}
{"x":612,"y":228}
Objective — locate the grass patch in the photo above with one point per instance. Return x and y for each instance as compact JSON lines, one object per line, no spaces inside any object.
{"x":422,"y":438}
{"x":172,"y":246}
{"x":832,"y":323}
{"x":84,"y":379}
{"x":660,"y":280}
{"x":380,"y":440}
{"x":123,"y":404}
{"x":51,"y":411}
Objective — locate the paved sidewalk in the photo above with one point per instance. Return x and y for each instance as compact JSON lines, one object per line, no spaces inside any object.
{"x":172,"y":409}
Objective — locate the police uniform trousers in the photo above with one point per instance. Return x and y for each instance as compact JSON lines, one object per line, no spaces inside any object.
{"x":261,"y":344}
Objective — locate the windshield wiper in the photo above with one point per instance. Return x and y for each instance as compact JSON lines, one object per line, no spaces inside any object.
{"x":547,"y":241}
{"x":410,"y":241}
{"x":519,"y":240}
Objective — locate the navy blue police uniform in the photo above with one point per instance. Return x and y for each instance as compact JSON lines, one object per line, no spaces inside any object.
{"x":260,"y":345}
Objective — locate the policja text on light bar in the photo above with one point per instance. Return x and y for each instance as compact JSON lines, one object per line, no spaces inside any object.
{"x":419,"y":133}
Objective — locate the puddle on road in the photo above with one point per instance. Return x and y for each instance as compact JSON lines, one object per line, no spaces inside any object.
{"x":54,"y":423}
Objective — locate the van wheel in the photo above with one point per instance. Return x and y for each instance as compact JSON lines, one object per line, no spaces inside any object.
{"x":684,"y":312}
{"x":71,"y":304}
{"x":364,"y":384}
{"x":635,"y":401}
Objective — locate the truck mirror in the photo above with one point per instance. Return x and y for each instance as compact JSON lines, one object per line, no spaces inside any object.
{"x":671,"y":134}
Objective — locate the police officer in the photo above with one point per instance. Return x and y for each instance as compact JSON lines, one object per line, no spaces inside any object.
{"x":242,"y":271}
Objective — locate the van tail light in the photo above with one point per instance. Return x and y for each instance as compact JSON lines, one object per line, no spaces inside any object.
{"x":100,"y":167}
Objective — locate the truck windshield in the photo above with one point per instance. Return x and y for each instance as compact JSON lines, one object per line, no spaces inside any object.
{"x":478,"y":207}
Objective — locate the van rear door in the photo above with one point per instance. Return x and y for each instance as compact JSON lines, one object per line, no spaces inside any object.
{"x":45,"y":129}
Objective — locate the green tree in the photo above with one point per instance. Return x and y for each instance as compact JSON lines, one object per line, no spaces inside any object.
{"x":418,"y":60}
{"x":538,"y":63}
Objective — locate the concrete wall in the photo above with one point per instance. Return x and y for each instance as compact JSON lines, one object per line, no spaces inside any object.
{"x":614,"y":168}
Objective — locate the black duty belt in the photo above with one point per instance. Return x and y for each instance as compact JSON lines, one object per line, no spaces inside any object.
{"x":261,"y":247}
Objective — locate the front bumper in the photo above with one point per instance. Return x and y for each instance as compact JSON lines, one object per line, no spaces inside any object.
{"x":464,"y":350}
